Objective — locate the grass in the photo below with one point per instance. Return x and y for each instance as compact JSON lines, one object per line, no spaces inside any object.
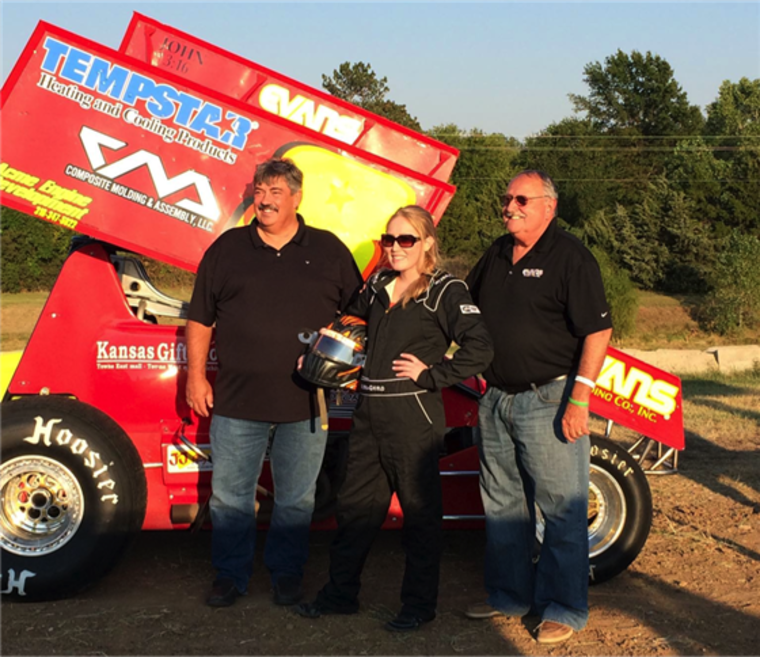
{"x":663,"y":322}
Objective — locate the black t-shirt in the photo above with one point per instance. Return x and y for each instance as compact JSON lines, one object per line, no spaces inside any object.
{"x":261,"y":299}
{"x":539,"y":310}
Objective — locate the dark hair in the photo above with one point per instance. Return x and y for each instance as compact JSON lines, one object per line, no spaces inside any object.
{"x":279,"y":168}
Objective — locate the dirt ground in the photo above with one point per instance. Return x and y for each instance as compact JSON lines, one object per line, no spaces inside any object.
{"x":695,"y":588}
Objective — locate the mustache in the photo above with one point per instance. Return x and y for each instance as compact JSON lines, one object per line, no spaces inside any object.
{"x":261,"y":207}
{"x":513,"y":215}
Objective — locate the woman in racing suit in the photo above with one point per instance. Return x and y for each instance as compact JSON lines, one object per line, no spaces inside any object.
{"x":413,"y":311}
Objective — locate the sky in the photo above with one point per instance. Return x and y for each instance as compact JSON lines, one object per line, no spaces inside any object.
{"x":504,"y":67}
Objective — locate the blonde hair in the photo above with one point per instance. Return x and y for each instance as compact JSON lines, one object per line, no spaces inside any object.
{"x":422,"y":222}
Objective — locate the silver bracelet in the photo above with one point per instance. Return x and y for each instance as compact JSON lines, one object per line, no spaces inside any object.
{"x":585,"y":381}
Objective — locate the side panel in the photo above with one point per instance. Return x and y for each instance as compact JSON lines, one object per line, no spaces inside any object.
{"x":641,"y":397}
{"x":89,"y":344}
{"x":170,"y":49}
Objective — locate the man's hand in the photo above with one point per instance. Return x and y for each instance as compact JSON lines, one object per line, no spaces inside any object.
{"x":198,"y":392}
{"x":200,"y":396}
{"x":575,"y":422}
{"x":408,"y":365}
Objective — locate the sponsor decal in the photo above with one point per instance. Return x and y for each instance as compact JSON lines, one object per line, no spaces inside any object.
{"x":636,"y":395}
{"x":635,"y":391}
{"x":612,"y":457}
{"x":180,"y":459}
{"x":304,"y":111}
{"x":43,"y":434}
{"x":112,"y":356}
{"x":469,"y":309}
{"x":532,"y":273}
{"x":72,"y":73}
{"x":57,"y":204}
{"x":369,"y":387}
{"x":17,"y":583}
{"x":94,"y":142}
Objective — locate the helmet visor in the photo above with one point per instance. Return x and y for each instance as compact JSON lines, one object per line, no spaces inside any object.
{"x":335,"y":346}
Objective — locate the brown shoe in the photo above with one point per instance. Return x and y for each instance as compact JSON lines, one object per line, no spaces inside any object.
{"x":553,"y":632}
{"x":482,"y":611}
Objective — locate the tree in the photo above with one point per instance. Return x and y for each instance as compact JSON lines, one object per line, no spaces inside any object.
{"x":621,"y":294}
{"x":588,"y":169}
{"x":636,"y":94}
{"x":358,"y":84}
{"x":662,"y":241}
{"x":733,"y":131}
{"x":734,"y":301}
{"x":33,"y":251}
{"x":482,"y":172}
{"x":736,"y":111}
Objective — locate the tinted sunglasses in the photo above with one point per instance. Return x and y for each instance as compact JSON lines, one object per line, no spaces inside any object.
{"x":404,"y":241}
{"x":521,"y":200}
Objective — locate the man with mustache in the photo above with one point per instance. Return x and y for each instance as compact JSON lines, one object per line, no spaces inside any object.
{"x":261,"y":285}
{"x":541,"y":295}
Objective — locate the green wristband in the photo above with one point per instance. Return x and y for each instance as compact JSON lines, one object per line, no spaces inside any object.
{"x":577,"y":403}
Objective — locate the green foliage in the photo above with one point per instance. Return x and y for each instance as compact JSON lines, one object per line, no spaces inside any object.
{"x":593,"y":172}
{"x":485,"y":166}
{"x":32,"y":252}
{"x":165,"y":276}
{"x":662,"y":240}
{"x":636,"y":94}
{"x":621,"y":295}
{"x":733,"y":131}
{"x":734,"y":300}
{"x":358,"y":84}
{"x":736,"y":111}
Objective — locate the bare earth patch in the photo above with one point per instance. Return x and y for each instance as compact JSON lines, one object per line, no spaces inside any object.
{"x":692,"y":591}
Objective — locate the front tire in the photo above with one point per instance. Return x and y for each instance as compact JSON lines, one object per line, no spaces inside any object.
{"x":72,"y":496}
{"x":620,"y":510}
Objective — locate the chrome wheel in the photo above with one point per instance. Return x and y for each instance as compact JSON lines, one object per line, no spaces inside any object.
{"x":607,"y":511}
{"x":41,"y":506}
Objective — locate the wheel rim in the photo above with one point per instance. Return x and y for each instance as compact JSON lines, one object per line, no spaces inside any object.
{"x":607,"y":511}
{"x":41,"y":507}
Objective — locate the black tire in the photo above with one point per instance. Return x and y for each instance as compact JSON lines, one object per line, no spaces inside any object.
{"x":73,"y":496}
{"x":620,"y":510}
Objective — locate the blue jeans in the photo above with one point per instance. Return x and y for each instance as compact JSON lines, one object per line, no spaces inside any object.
{"x":525,"y":460}
{"x":238,"y":448}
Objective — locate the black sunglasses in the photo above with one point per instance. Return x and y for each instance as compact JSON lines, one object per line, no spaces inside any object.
{"x":404,"y":241}
{"x":521,"y":200}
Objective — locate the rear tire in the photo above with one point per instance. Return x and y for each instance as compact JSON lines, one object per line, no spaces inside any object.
{"x":73,"y":496}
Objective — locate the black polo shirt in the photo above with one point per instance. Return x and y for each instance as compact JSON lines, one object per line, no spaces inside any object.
{"x":539,"y":310}
{"x":261,"y":299}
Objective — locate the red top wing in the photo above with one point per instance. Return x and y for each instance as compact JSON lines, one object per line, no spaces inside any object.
{"x":122,"y":151}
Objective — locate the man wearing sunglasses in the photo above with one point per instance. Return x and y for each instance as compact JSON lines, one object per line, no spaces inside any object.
{"x":541,"y":294}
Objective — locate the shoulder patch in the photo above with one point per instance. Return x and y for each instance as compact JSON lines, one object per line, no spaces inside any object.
{"x":469,"y":309}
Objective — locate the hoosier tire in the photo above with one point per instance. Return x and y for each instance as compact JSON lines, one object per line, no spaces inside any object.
{"x":72,"y":496}
{"x":620,"y":510}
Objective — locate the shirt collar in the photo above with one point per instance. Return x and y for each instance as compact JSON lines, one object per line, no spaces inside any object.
{"x":301,"y":237}
{"x":543,"y":244}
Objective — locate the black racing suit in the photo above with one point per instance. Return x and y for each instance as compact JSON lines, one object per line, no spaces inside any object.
{"x":397,"y":433}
